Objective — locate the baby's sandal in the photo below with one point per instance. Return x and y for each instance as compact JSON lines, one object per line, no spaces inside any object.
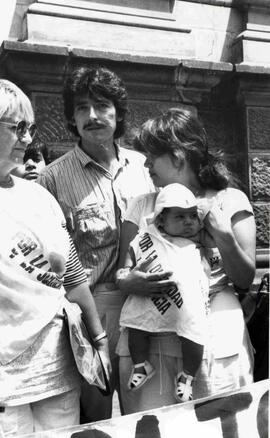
{"x":183,"y":387}
{"x":139,"y":378}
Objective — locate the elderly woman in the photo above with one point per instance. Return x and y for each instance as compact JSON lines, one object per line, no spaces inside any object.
{"x":176,"y":150}
{"x":39,"y":381}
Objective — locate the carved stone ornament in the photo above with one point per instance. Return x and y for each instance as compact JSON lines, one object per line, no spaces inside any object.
{"x":196,"y":77}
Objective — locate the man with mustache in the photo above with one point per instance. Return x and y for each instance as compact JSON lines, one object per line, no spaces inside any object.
{"x":93,"y":184}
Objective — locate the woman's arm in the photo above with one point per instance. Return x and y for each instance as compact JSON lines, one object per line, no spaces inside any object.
{"x":82,"y":296}
{"x":235,"y":238}
{"x":78,"y":292}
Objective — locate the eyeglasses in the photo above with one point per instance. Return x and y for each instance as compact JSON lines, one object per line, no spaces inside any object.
{"x":22,"y":127}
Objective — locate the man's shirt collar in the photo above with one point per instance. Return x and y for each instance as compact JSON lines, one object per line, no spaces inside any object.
{"x":85,"y":159}
{"x":121,"y":155}
{"x":82,"y":156}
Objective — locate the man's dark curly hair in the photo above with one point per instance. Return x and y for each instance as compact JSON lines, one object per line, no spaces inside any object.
{"x":93,"y":81}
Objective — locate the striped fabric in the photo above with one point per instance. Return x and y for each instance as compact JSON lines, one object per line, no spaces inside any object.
{"x":94,"y":202}
{"x":74,"y":274}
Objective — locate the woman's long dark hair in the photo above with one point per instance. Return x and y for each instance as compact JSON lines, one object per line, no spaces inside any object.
{"x":179,"y":133}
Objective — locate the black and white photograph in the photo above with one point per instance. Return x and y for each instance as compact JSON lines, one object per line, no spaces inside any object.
{"x":134,"y":218}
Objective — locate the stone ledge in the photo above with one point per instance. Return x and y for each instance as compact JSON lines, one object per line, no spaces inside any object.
{"x":254,"y":35}
{"x":34,"y":47}
{"x":123,"y":56}
{"x":226,"y":3}
{"x":257,"y":27}
{"x":161,"y":22}
{"x":244,"y":67}
{"x":40,"y":47}
{"x":125,"y":10}
{"x":239,"y":4}
{"x":206,"y":65}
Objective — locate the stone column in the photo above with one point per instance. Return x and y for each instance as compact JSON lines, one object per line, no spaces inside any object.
{"x":6,"y":19}
{"x":252,"y":45}
{"x":254,"y":98}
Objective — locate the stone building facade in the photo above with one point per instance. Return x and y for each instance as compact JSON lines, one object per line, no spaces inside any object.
{"x":211,"y":55}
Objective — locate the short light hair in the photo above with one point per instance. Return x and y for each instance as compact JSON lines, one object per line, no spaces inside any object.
{"x":13,"y":99}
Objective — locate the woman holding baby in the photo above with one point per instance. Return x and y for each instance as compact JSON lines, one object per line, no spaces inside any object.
{"x":176,"y":150}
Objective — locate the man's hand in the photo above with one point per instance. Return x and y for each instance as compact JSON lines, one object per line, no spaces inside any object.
{"x":140,"y":282}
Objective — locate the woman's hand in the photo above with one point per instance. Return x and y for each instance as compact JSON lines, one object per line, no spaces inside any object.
{"x":103,"y":348}
{"x":235,"y":237}
{"x":140,"y":282}
{"x":218,"y":221}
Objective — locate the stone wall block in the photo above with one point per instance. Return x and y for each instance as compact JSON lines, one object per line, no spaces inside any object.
{"x":260,"y":177}
{"x":140,"y":111}
{"x":258,"y":128}
{"x":257,"y":51}
{"x":262,"y":212}
{"x":252,"y":47}
{"x":57,"y":149}
{"x":50,"y":118}
{"x":214,"y":28}
{"x":105,"y":36}
{"x":220,"y":129}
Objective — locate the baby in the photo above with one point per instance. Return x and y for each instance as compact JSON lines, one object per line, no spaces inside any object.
{"x":171,"y":240}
